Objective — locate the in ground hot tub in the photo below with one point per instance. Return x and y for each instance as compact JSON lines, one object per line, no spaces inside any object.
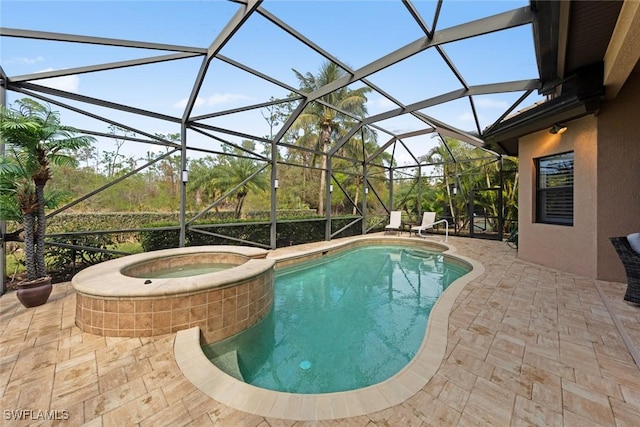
{"x":221,"y":289}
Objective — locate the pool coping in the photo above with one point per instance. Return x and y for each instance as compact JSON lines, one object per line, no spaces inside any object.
{"x":222,"y":387}
{"x":107,"y":280}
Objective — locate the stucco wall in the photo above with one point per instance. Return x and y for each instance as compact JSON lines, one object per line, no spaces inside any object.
{"x":618,"y":175}
{"x":606,"y":189}
{"x":568,"y":248}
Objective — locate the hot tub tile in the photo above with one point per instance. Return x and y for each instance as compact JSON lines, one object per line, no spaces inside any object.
{"x":214,"y":309}
{"x":125,"y":333}
{"x":125,"y":321}
{"x":143,"y":321}
{"x":229,"y":292}
{"x":143,"y":306}
{"x":197,"y":313}
{"x":179,"y":303}
{"x":86,"y":316}
{"x":161,"y":330}
{"x":126,"y":306}
{"x":179,"y":317}
{"x":161,"y":304}
{"x":144,"y":332}
{"x":214,"y":323}
{"x":111,"y":306}
{"x":242,"y":314}
{"x":202,"y":324}
{"x":110,"y":320}
{"x":228,"y":318}
{"x":162,"y":319}
{"x":97,"y":319}
{"x":198,"y":299}
{"x":97,"y":304}
{"x":243,"y":299}
{"x":214,"y":296}
{"x":229,"y":305}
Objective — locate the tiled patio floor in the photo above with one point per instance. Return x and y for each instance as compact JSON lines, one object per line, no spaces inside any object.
{"x":527,"y":345}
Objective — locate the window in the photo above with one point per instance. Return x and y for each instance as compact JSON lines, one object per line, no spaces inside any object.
{"x":554,"y":189}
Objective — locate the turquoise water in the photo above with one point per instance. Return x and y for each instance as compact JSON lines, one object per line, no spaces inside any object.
{"x":188,"y":270}
{"x":342,"y":323}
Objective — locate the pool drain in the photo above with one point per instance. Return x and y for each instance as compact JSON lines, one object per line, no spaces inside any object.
{"x":305,"y":364}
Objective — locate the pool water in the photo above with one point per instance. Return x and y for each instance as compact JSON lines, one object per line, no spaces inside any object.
{"x":187,"y":270}
{"x":345,"y":322}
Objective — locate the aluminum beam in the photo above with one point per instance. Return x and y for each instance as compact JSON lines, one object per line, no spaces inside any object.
{"x":72,"y":38}
{"x":237,"y":20}
{"x":479,"y":27}
{"x":102,"y":67}
{"x":18,"y":87}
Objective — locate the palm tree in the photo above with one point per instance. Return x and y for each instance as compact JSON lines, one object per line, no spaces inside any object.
{"x":230,"y":172}
{"x":441,"y":155}
{"x":326,"y":121}
{"x":354,"y":149}
{"x":36,"y":139}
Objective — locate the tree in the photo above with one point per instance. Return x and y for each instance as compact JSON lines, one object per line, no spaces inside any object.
{"x":35,"y":140}
{"x":170,"y":167}
{"x":229,"y":173}
{"x":326,"y":120}
{"x":114,"y":160}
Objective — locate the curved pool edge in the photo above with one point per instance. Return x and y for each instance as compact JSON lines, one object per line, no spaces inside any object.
{"x":106,"y":279}
{"x":225,"y":389}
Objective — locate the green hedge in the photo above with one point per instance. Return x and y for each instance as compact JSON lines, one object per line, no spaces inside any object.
{"x":287,"y":233}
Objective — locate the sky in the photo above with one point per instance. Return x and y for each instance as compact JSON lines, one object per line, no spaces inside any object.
{"x":356,"y":32}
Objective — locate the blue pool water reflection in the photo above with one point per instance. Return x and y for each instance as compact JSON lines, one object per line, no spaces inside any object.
{"x":344,"y":322}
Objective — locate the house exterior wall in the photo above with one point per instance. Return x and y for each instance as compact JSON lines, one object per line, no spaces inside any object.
{"x":618,"y":184}
{"x":568,"y":248}
{"x":606,"y":189}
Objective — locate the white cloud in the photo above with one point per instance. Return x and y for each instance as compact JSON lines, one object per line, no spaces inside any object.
{"x":380,"y":104}
{"x":215,"y":99}
{"x":66,"y":83}
{"x":183,"y":103}
{"x":466,"y":118}
{"x":226,"y":98}
{"x":25,"y":60}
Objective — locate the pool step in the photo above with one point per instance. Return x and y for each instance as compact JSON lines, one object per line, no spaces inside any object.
{"x":228,"y":363}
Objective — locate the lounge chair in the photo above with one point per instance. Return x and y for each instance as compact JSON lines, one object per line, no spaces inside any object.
{"x":428,"y":219}
{"x":631,"y":262}
{"x":395,"y":222}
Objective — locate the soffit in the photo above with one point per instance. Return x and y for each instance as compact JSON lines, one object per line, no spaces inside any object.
{"x":571,"y":41}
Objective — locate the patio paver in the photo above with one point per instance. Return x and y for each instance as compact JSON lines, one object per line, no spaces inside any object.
{"x":527,"y":345}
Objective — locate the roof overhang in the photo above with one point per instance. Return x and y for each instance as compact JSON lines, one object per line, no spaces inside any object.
{"x":582,"y":94}
{"x":572,"y":40}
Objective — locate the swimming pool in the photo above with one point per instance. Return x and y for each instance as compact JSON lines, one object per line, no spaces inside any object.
{"x":343,"y":322}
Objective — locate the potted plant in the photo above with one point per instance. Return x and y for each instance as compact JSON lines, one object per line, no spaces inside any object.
{"x":34,"y":139}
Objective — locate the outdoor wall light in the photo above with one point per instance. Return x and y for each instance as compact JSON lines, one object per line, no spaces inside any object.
{"x":558,"y":129}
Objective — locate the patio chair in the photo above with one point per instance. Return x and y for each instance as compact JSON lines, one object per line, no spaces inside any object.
{"x":395,"y":222}
{"x":428,"y":219}
{"x":631,"y":262}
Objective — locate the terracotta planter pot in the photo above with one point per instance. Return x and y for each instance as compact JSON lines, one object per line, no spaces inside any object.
{"x":32,"y":293}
